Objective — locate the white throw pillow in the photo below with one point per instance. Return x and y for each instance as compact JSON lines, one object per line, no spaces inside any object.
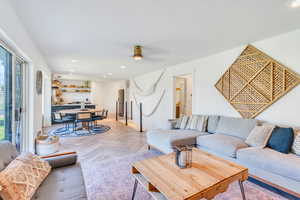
{"x":296,"y":144}
{"x":259,"y":136}
{"x":197,"y":122}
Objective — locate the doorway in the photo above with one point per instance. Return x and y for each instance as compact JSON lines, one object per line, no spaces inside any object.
{"x":183,"y":95}
{"x":121,"y":100}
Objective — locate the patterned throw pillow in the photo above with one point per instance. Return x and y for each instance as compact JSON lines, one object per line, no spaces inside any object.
{"x":20,"y":179}
{"x":259,"y":136}
{"x":184,"y":122}
{"x":197,"y":122}
{"x":296,"y":143}
{"x":178,"y":123}
{"x":192,"y":122}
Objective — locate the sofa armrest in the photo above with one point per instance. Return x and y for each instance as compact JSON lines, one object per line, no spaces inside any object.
{"x":61,"y":159}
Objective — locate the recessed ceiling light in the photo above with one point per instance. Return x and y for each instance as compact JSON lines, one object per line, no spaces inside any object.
{"x":123,"y":67}
{"x":295,"y":4}
{"x":109,"y":73}
{"x":74,"y":61}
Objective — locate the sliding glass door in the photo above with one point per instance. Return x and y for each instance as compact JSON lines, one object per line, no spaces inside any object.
{"x":12,"y":98}
{"x":19,"y":101}
{"x":5,"y":95}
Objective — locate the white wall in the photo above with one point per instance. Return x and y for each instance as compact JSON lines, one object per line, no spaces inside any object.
{"x":206,"y":71}
{"x":105,"y":94}
{"x":111,"y":94}
{"x":97,"y":91}
{"x":13,"y":33}
{"x":47,"y":93}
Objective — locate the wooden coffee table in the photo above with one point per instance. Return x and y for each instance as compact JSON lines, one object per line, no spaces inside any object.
{"x":208,"y":176}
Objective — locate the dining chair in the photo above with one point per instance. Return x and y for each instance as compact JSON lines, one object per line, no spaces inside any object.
{"x":66,"y":120}
{"x":103,"y":112}
{"x":97,"y":116}
{"x":83,"y":117}
{"x":106,"y":114}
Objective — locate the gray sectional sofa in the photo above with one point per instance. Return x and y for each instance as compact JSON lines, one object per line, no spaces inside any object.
{"x":63,"y":183}
{"x":225,"y":137}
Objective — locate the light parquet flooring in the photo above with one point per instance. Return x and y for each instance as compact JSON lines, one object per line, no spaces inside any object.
{"x":117,"y":142}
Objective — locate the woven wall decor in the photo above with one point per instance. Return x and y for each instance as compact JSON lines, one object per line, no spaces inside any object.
{"x":255,"y":81}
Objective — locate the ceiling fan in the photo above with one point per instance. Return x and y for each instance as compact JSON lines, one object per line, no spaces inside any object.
{"x":138,"y":54}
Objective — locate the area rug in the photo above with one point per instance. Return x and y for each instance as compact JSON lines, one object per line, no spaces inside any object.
{"x":69,"y":132}
{"x":112,"y":180}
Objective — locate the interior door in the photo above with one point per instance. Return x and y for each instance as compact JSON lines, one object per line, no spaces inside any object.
{"x":121,"y":93}
{"x":180,"y":96}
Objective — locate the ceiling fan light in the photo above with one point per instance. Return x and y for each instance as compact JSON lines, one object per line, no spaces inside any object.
{"x":137,"y":53}
{"x":295,"y":4}
{"x":135,"y":57}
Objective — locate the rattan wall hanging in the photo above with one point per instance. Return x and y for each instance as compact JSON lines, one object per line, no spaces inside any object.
{"x":255,"y":81}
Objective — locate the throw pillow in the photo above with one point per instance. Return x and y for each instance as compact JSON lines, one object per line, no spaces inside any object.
{"x":20,"y":179}
{"x":173,"y":123}
{"x":178,"y":123}
{"x":202,"y":123}
{"x":281,"y":139}
{"x":192,"y":122}
{"x":259,"y":136}
{"x":296,"y":144}
{"x":184,"y":122}
{"x":212,"y":123}
{"x":197,"y":122}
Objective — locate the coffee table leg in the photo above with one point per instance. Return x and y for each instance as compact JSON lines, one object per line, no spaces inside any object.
{"x":242,"y":189}
{"x":134,"y":189}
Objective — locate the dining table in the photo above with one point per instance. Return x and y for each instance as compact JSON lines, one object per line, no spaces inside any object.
{"x":75,"y":111}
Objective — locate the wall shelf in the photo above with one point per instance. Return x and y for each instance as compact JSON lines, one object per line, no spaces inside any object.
{"x":74,"y":91}
{"x":74,"y":87}
{"x":77,"y":88}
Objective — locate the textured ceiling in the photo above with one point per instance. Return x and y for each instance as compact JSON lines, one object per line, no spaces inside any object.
{"x":101,"y":34}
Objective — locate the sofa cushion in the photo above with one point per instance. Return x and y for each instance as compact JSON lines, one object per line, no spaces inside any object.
{"x":63,"y":183}
{"x":237,"y":127}
{"x":281,"y":139}
{"x":164,"y":140}
{"x":223,"y":144}
{"x":212,"y":123}
{"x":8,"y":152}
{"x":287,"y":165}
